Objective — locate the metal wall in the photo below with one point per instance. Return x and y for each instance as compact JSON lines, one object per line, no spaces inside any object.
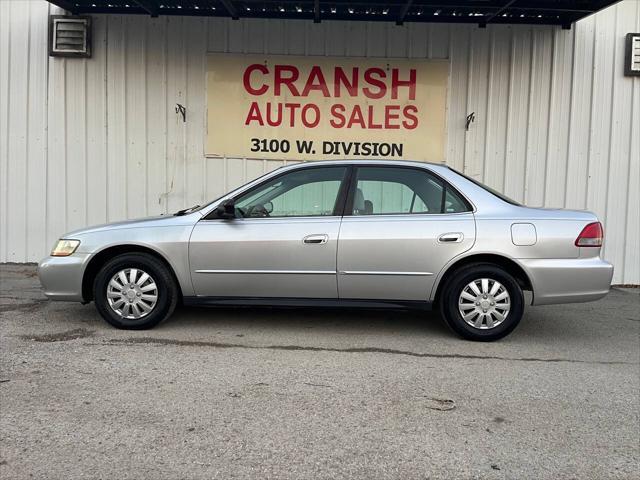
{"x":89,"y":141}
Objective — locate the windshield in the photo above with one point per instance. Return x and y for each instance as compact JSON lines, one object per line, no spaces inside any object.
{"x":197,"y":208}
{"x":488,"y":189}
{"x":200,"y":207}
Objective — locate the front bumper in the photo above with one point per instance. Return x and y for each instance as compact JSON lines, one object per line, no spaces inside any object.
{"x":61,"y":277}
{"x":568,"y":280}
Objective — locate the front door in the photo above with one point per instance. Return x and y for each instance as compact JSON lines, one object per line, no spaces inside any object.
{"x":401,"y":226}
{"x":283,"y":242}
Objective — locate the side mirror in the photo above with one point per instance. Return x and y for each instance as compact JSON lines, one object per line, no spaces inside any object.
{"x":226,"y":210}
{"x":268,"y":207}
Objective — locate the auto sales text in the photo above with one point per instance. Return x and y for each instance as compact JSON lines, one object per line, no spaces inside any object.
{"x":395,"y":88}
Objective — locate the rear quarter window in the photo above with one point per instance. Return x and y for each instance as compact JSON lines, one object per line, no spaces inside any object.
{"x":493,"y":192}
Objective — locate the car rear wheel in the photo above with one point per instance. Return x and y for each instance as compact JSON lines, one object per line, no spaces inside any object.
{"x":135,"y":291}
{"x":482,"y":302}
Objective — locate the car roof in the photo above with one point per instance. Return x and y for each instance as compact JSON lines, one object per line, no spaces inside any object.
{"x":376,"y":161}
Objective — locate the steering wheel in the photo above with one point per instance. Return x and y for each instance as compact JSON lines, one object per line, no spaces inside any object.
{"x":257,"y":210}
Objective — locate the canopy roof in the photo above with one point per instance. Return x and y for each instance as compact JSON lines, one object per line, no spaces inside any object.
{"x":482,"y":12}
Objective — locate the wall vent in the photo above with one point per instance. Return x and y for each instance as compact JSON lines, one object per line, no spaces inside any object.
{"x":69,"y":36}
{"x":632,"y":55}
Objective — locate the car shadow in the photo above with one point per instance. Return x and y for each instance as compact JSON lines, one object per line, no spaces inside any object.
{"x":557,"y":327}
{"x":334,"y":320}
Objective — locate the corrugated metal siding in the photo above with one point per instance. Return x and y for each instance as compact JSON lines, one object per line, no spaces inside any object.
{"x":89,"y":141}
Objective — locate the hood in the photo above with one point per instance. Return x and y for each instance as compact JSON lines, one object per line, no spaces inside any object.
{"x":157,"y":221}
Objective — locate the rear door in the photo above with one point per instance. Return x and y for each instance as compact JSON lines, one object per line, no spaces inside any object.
{"x":401,"y":226}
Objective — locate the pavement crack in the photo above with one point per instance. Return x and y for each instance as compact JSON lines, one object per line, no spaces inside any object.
{"x":440,"y":404}
{"x":197,"y":343}
{"x":74,"y":334}
{"x":33,"y":304}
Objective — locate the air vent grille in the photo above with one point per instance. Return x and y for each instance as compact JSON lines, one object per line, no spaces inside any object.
{"x":70,"y":36}
{"x":632,"y":54}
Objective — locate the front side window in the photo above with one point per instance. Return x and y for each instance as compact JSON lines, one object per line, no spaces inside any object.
{"x":389,"y":191}
{"x":302,"y":193}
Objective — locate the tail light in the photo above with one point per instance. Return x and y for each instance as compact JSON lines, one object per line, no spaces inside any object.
{"x":591,"y":236}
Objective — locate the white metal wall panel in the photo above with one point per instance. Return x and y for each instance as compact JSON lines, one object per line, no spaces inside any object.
{"x":36,"y":135}
{"x":560,"y":99}
{"x":85,"y":141}
{"x":5,"y":48}
{"x":580,"y":119}
{"x":496,"y":127}
{"x":458,"y":107}
{"x":538,"y":115}
{"x":18,"y":124}
{"x":156,"y":116}
{"x":518,"y":107}
{"x":96,"y":118}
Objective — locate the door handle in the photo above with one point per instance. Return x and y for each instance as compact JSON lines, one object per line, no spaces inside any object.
{"x":453,"y":237}
{"x":317,"y":239}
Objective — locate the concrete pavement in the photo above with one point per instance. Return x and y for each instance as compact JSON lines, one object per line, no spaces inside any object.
{"x":247,"y":393}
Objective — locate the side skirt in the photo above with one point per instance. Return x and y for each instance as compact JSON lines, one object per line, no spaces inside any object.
{"x":304,"y":302}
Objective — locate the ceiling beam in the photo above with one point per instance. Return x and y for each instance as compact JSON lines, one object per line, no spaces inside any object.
{"x":496,"y":13}
{"x":149,"y":6}
{"x":559,"y":12}
{"x":403,"y":12}
{"x":231,"y":9}
{"x":67,"y":5}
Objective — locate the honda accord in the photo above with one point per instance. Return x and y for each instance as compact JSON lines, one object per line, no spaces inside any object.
{"x":381,"y":234}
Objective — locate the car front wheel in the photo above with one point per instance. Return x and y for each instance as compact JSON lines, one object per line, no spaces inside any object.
{"x":482,"y":302}
{"x":135,"y":291}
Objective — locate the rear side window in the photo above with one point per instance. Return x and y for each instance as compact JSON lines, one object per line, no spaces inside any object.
{"x":390,"y":190}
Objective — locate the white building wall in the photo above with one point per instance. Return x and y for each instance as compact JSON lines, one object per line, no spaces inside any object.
{"x":86,"y":141}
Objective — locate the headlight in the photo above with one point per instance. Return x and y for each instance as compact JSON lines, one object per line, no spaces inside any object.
{"x":64,"y":248}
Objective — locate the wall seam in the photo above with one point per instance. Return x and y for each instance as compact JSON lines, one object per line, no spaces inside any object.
{"x":46,"y":142}
{"x":470,"y":49}
{"x":532,"y":79}
{"x":611,"y":103}
{"x":86,"y":148}
{"x":591,"y":112}
{"x":552,"y":88}
{"x":125,"y":101}
{"x":27,"y":143}
{"x":570,"y":117}
{"x":629,"y":179}
{"x":488,"y":104}
{"x":165,"y":68}
{"x":146,"y":118}
{"x":6,"y":179}
{"x":106,"y":116}
{"x":507,"y":143}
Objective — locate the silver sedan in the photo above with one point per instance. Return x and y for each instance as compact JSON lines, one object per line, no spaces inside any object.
{"x":383,"y":234}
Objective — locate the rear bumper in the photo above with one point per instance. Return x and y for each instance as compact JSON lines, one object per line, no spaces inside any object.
{"x":61,"y":277}
{"x":570,"y":280}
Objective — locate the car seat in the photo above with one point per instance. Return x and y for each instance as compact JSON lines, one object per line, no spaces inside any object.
{"x":359,"y":207}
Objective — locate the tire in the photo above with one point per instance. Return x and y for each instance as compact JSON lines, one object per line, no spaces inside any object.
{"x":486,"y":326}
{"x":137,"y":310}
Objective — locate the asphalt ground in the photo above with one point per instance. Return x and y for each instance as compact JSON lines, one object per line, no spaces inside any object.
{"x":302,"y":394}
